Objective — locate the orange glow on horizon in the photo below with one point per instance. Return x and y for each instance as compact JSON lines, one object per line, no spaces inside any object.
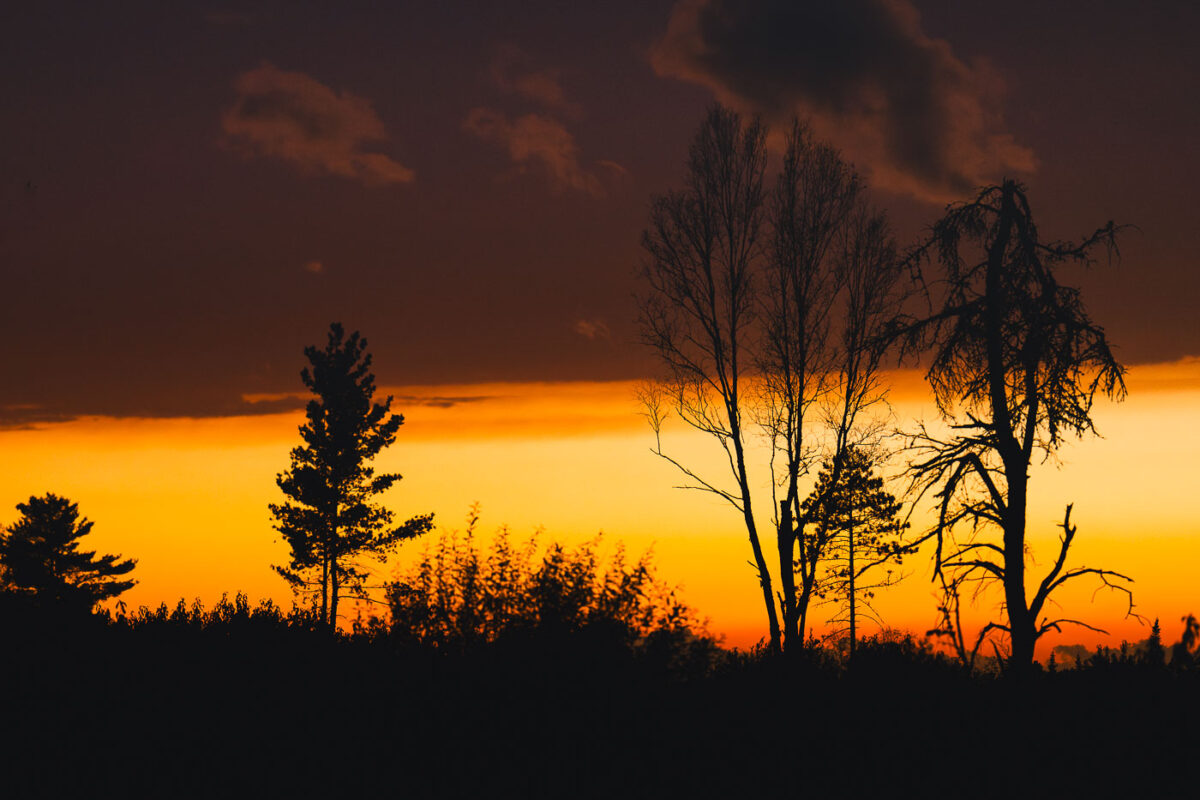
{"x":188,"y":497}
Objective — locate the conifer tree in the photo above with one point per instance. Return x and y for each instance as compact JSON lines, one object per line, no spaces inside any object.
{"x":40,"y":556}
{"x":861,"y":522}
{"x":331,"y":520}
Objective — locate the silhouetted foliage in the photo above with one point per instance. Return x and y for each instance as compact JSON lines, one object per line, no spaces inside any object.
{"x":1016,"y":363}
{"x":331,"y":521}
{"x":1153,"y":654}
{"x":1183,"y":652}
{"x":459,"y":594}
{"x":40,"y":557}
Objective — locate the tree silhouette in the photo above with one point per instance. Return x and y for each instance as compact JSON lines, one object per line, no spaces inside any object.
{"x":1016,"y":364}
{"x":700,"y":314}
{"x":40,"y":556}
{"x":861,"y":522}
{"x":742,"y":287}
{"x":331,"y":521}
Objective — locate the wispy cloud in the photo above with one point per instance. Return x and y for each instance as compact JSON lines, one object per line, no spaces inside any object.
{"x":293,"y":117}
{"x":539,"y":142}
{"x":898,"y":102}
{"x":512,"y":70}
{"x":592,"y":329}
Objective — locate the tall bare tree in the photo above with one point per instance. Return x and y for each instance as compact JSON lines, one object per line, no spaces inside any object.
{"x":743,"y":287}
{"x":1016,"y":365}
{"x":700,"y":314}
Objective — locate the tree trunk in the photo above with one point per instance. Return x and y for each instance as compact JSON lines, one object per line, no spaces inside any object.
{"x":850,"y":534}
{"x":1022,"y":635}
{"x":333,"y":596}
{"x":764,"y":579}
{"x":324,"y":588}
{"x":787,"y":576}
{"x":1020,"y":627}
{"x":760,"y":562}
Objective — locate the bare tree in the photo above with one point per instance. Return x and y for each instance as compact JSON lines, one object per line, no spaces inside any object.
{"x":815,"y":195}
{"x":742,"y":289}
{"x":1016,"y":364}
{"x":700,"y":314}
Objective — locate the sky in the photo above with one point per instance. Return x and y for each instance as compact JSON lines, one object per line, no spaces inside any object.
{"x":191,"y":193}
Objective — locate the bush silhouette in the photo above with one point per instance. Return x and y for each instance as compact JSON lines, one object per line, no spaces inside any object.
{"x":460,"y":594}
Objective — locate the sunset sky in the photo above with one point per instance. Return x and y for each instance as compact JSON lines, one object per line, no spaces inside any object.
{"x":191,"y":193}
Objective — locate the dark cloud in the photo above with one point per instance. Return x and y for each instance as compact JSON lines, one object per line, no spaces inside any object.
{"x":24,"y":416}
{"x":291,"y":116}
{"x":32,"y":415}
{"x":437,"y":401}
{"x":898,"y":102}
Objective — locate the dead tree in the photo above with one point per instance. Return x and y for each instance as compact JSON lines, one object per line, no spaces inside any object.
{"x":1016,"y":363}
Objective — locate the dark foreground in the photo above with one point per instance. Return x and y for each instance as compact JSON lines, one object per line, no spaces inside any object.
{"x":256,"y":709}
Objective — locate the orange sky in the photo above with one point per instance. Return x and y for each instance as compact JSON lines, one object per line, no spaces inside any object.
{"x":188,"y":498}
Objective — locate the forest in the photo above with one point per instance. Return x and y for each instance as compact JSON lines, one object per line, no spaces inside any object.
{"x":774,"y":300}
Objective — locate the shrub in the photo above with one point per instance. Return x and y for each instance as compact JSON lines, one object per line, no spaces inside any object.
{"x":460,"y":593}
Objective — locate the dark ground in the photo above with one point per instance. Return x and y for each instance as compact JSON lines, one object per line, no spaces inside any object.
{"x":260,"y":709}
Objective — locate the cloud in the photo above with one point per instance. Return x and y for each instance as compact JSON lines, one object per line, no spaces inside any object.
{"x":287,"y":401}
{"x":538,"y":143}
{"x":897,"y":102}
{"x":512,"y":71}
{"x":592,"y":329}
{"x":291,"y":116}
{"x":438,"y":401}
{"x":30,"y":416}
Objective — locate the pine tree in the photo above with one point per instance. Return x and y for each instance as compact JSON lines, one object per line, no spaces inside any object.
{"x":861,"y":521}
{"x":41,"y":557}
{"x":331,"y":521}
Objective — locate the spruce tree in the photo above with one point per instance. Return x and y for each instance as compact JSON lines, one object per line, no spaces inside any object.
{"x":331,"y":520}
{"x":861,"y":521}
{"x":40,"y":557}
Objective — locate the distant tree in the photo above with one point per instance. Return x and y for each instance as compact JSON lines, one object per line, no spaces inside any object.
{"x":331,"y":521}
{"x":40,"y":557}
{"x":860,"y":520}
{"x":1154,"y":654}
{"x":1016,"y":365}
{"x":1182,"y":652}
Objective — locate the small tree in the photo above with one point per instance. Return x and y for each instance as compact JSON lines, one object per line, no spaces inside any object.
{"x":331,"y":521}
{"x":860,"y":521}
{"x":40,"y":556}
